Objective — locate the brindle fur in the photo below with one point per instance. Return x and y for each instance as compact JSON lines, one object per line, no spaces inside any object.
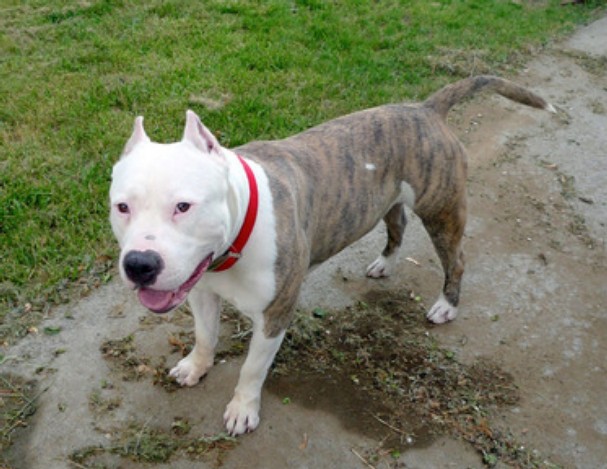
{"x":327,"y":196}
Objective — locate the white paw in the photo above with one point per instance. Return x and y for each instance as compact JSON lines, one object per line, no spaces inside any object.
{"x":442,"y":311}
{"x":241,"y":415}
{"x":380,"y":267}
{"x":190,"y":369}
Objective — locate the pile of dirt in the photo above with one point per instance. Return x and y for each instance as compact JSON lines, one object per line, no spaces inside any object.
{"x":380,"y":355}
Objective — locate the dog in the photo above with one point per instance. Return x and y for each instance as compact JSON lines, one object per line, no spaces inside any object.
{"x":199,"y":221}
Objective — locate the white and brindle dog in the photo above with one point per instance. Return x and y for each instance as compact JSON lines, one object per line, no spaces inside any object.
{"x":184,"y":212}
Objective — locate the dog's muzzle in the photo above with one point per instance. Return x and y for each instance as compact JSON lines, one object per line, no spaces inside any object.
{"x":142,"y":267}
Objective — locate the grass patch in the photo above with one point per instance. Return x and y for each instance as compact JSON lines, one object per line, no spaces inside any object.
{"x":74,"y":75}
{"x":142,"y":444}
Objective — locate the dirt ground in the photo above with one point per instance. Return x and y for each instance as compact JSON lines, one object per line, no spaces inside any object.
{"x":534,"y":301}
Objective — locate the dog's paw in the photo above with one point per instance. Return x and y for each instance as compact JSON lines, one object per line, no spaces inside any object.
{"x":380,"y":267}
{"x":442,"y":311}
{"x":190,"y":369}
{"x":241,"y":416}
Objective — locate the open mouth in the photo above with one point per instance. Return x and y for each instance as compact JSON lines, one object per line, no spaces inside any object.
{"x":160,"y":301}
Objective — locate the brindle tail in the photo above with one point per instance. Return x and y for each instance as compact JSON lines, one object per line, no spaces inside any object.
{"x":450,"y":95}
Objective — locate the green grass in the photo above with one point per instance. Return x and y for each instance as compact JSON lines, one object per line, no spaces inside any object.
{"x":73,"y":75}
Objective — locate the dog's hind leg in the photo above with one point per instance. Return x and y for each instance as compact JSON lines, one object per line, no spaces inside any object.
{"x":446,"y":232}
{"x":396,"y":221}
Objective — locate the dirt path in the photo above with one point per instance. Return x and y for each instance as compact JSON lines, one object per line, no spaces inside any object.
{"x":534,"y":301}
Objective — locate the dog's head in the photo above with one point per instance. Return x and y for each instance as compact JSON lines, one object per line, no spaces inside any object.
{"x":171,"y":211}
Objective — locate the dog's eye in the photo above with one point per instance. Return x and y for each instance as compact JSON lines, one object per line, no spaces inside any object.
{"x":123,"y":208}
{"x":182,"y":207}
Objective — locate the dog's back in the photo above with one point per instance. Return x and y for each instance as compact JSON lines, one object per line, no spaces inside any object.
{"x":367,"y":155}
{"x":371,"y":153}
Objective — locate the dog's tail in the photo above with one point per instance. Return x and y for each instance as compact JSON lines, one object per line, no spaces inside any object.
{"x":450,"y":95}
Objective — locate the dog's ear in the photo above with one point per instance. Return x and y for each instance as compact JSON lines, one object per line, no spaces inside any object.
{"x":197,"y":134}
{"x":138,"y":136}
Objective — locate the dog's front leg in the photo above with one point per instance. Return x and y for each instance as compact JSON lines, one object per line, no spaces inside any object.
{"x":242,"y":413}
{"x":206,"y":308}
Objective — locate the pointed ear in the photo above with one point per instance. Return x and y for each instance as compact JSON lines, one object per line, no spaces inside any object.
{"x":138,"y":136}
{"x":197,"y":134}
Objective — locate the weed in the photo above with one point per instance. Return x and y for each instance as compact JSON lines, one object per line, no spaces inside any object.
{"x":100,"y":405}
{"x":143,"y":444}
{"x":17,"y":405}
{"x":147,"y":445}
{"x":122,"y":353}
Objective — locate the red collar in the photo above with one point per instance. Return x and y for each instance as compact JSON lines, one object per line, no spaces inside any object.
{"x":229,"y":258}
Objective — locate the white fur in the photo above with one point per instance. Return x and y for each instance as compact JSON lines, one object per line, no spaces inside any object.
{"x":151,"y":179}
{"x":407,"y":194}
{"x":205,"y":307}
{"x":250,"y":285}
{"x":242,"y":413}
{"x":442,"y":311}
{"x":381,"y":267}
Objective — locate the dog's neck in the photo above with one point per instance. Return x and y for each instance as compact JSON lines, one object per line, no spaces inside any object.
{"x":239,"y":196}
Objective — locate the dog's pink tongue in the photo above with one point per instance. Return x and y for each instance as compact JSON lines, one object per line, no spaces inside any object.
{"x":155,"y":300}
{"x":161,"y":301}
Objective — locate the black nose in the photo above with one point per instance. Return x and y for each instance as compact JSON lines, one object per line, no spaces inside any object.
{"x":142,"y":267}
